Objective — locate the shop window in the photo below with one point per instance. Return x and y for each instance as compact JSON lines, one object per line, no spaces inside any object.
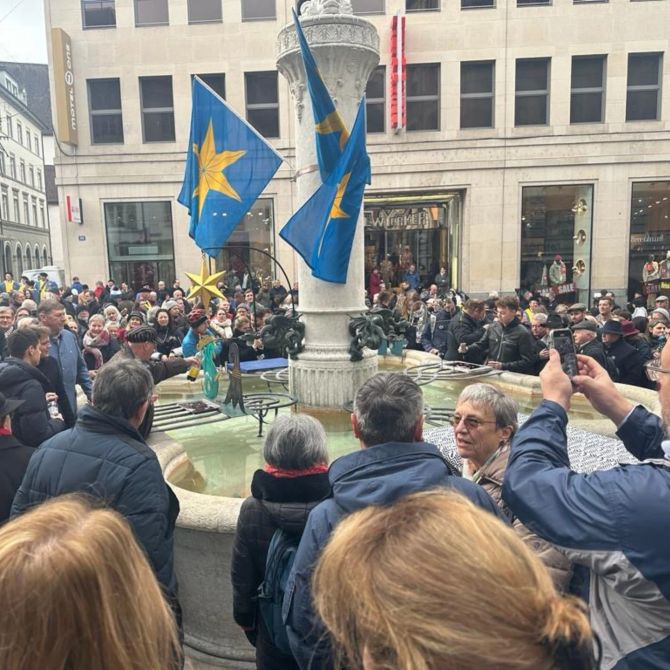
{"x":157,"y":109}
{"x":423,"y":96}
{"x":151,"y":13}
{"x":477,"y":94}
{"x":139,"y":242}
{"x":98,"y":13}
{"x":258,"y":10}
{"x":262,"y":102}
{"x":643,"y":97}
{"x":587,"y":89}
{"x":649,"y":259}
{"x":531,"y":100}
{"x":104,"y":105}
{"x":375,"y":109}
{"x":216,"y":81}
{"x":422,"y":5}
{"x":204,"y":11}
{"x":368,"y":6}
{"x":255,"y":232}
{"x":556,"y":233}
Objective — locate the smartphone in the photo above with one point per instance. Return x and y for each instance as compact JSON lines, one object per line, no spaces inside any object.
{"x":561,"y":340}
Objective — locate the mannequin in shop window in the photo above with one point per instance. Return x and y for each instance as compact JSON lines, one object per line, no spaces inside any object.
{"x":557,"y":272}
{"x":651,"y":270}
{"x":664,"y":267}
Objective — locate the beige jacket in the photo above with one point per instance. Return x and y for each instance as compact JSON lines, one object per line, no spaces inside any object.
{"x":559,"y":566}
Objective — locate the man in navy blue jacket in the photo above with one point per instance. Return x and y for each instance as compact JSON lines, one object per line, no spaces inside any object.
{"x":614,"y":522}
{"x":393,"y":462}
{"x":105,"y":456}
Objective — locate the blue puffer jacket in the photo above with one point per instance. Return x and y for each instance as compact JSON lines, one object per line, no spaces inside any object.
{"x":106,"y":457}
{"x":378,"y":475}
{"x":615,"y":522}
{"x":189,"y":345}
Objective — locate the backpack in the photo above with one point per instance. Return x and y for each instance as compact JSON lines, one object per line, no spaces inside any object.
{"x":270,"y":595}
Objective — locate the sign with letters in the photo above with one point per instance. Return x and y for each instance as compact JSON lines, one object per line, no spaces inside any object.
{"x":67,"y":128}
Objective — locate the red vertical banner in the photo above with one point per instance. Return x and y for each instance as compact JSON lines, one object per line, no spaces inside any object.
{"x":398,"y":73}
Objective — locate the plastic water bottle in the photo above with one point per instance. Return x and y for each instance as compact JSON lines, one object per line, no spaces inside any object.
{"x":52,"y":406}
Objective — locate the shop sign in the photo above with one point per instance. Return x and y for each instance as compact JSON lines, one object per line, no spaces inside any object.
{"x":400,"y":219}
{"x":561,"y":289}
{"x":66,"y":110}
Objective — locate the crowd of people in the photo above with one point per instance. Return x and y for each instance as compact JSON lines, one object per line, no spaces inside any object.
{"x":388,"y":557}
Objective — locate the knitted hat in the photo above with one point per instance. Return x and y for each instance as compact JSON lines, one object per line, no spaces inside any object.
{"x":196,"y":318}
{"x":141,"y":334}
{"x":137,"y":314}
{"x":169,"y":304}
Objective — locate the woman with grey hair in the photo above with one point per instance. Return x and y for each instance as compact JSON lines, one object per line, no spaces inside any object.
{"x":485,"y":420}
{"x":293,"y":481}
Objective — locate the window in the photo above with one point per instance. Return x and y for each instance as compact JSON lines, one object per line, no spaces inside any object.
{"x":4,"y":203}
{"x":39,"y":179}
{"x":368,"y":6}
{"x":19,"y":133}
{"x":29,"y":142}
{"x":423,"y":96}
{"x":262,"y":102}
{"x":104,"y":104}
{"x":139,"y":241}
{"x":587,"y":89}
{"x":530,"y":3}
{"x":217,"y":82}
{"x":31,"y":174}
{"x":10,"y":127}
{"x":649,"y":230}
{"x":37,"y":145}
{"x":3,"y":166}
{"x":375,"y":111}
{"x":556,"y":225}
{"x":422,"y":5}
{"x":151,"y":13}
{"x":15,"y":202}
{"x":22,"y":171}
{"x":258,"y":10}
{"x":34,"y":208}
{"x":12,"y":166}
{"x":43,"y":217}
{"x":531,"y":103}
{"x":643,"y":97}
{"x":474,"y":4}
{"x":204,"y":11}
{"x":157,"y":109}
{"x":26,"y":210}
{"x":477,"y":94}
{"x":98,"y":14}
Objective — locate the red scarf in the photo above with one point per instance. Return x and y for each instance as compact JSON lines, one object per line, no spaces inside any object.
{"x":280,"y":472}
{"x":4,"y":431}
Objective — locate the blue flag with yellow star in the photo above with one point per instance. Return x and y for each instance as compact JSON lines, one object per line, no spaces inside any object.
{"x":331,"y":133}
{"x":227,"y":167}
{"x":322,"y":230}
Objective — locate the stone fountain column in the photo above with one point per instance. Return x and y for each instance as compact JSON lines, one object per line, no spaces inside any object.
{"x":346,"y":49}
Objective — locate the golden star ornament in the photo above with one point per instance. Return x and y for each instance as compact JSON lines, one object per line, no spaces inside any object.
{"x":211,"y":166}
{"x":204,"y":284}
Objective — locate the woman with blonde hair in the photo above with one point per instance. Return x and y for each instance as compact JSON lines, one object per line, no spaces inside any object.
{"x":77,"y":593}
{"x":435,"y":583}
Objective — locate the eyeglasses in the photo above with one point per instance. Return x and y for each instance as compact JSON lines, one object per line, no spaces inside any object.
{"x":470,"y":422}
{"x":654,"y":371}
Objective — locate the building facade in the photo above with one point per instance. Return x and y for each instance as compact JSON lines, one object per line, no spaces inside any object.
{"x":24,"y":224}
{"x":533,"y":154}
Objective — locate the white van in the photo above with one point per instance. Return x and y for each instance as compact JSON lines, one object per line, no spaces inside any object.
{"x":54,"y":274}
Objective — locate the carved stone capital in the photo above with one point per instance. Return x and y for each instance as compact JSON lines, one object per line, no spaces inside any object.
{"x":321,"y":7}
{"x":346,"y":49}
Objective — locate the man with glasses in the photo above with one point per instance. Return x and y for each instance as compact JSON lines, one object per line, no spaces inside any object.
{"x":613,"y":522}
{"x":393,"y":461}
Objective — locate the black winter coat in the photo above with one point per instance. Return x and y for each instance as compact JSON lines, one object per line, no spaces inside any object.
{"x":595,"y":349}
{"x":14,"y":458}
{"x":463,"y":329}
{"x":275,"y":502}
{"x":51,"y":370}
{"x":31,"y":423}
{"x":629,"y":362}
{"x":512,"y":345}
